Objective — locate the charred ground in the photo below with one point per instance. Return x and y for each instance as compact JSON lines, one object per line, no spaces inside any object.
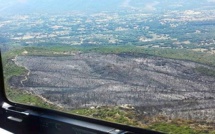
{"x":152,"y":85}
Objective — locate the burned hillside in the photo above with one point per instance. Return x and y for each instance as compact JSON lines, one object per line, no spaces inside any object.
{"x":152,"y":85}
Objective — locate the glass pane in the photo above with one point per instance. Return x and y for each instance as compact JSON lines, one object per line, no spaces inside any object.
{"x":148,"y":64}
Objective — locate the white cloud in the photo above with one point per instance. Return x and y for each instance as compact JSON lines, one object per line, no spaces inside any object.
{"x":151,"y":6}
{"x":126,"y":3}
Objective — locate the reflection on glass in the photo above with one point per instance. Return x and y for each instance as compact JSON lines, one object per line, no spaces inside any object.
{"x":148,"y":64}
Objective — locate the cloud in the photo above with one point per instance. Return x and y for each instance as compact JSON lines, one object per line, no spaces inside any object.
{"x":126,"y":3}
{"x":151,"y":6}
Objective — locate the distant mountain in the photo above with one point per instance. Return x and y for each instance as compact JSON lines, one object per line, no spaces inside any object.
{"x":53,"y":6}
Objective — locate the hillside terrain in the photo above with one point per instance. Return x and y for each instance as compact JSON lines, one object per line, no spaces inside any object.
{"x":150,"y":85}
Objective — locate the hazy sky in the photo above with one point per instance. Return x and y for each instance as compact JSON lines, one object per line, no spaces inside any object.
{"x":29,"y":6}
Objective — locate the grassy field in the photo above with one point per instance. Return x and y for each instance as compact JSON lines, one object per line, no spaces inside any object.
{"x":114,"y":114}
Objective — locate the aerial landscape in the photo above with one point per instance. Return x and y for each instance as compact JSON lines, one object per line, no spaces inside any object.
{"x":148,"y":64}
